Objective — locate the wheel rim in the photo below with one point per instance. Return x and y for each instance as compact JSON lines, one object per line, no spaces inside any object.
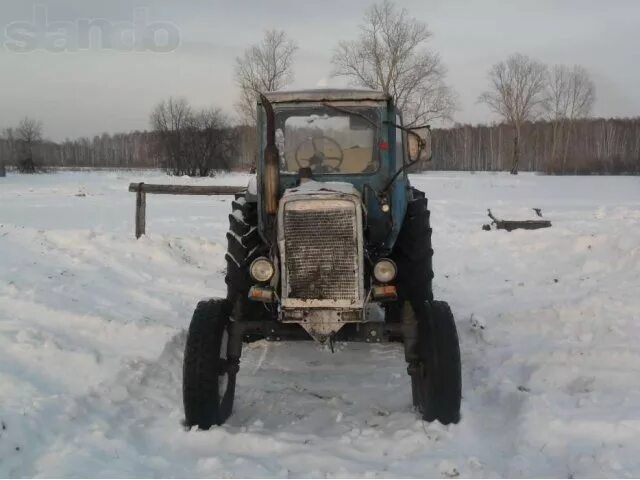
{"x":223,"y":377}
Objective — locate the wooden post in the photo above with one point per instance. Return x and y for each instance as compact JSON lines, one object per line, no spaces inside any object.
{"x":141,"y":207}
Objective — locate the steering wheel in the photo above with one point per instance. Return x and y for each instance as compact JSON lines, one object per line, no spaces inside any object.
{"x":318,"y":159}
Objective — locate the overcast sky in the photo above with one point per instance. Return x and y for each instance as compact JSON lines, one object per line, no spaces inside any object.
{"x":90,"y":91}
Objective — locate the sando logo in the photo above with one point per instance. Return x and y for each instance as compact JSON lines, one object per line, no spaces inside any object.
{"x":137,"y":35}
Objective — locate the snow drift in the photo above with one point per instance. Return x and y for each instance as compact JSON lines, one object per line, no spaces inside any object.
{"x":92,"y":329}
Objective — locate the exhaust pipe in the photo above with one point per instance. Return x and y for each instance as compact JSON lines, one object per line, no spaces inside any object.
{"x":271,"y":175}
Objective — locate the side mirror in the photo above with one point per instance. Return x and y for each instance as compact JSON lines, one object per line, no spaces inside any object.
{"x":419,"y":144}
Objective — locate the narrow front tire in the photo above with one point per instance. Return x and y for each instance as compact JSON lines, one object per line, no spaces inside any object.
{"x":437,"y":378}
{"x":209,"y":376}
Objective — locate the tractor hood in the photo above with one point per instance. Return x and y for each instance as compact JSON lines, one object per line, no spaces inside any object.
{"x":311,"y":187}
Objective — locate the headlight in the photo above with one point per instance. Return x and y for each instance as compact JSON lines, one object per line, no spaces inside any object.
{"x":385,"y":270}
{"x":261,"y":269}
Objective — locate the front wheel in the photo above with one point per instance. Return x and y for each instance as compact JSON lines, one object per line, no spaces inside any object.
{"x":436,"y":380}
{"x":208,"y":376}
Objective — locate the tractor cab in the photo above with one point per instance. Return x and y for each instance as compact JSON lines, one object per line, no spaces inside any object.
{"x":354,"y":137}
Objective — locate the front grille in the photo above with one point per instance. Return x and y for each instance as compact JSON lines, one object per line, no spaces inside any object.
{"x":321,"y":250}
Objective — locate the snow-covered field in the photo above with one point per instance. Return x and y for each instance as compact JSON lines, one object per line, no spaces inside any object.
{"x":92,"y":329}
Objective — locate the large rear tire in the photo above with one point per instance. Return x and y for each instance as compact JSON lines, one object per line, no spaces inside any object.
{"x":413,"y":254}
{"x":436,"y":381}
{"x":243,"y":246}
{"x":208,"y":377}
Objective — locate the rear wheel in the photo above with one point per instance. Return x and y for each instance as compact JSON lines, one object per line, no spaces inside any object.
{"x":244,"y":245}
{"x":413,"y":255}
{"x":209,"y":376}
{"x":436,"y":378}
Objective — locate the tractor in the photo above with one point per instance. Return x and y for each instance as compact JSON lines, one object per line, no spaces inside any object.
{"x":329,"y":242}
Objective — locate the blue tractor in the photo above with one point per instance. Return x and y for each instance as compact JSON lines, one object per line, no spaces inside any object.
{"x":329,"y":242}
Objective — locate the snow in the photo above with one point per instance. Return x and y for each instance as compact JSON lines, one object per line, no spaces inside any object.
{"x":92,"y":329}
{"x":311,"y":186}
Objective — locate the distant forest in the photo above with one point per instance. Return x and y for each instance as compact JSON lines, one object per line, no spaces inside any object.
{"x":583,"y":146}
{"x":123,"y":150}
{"x":600,"y":146}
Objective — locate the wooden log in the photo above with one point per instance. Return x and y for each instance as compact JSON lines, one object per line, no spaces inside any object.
{"x":141,"y":212}
{"x":510,"y":225}
{"x":185,"y":189}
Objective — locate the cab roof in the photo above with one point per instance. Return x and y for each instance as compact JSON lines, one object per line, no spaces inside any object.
{"x":326,"y":95}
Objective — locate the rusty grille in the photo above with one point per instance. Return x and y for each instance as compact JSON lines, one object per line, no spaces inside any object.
{"x":321,"y":253}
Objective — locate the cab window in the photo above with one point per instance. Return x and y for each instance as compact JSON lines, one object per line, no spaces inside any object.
{"x":327,"y":141}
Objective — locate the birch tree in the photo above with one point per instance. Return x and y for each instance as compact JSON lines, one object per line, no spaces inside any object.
{"x":570,"y":96}
{"x":391,"y":54}
{"x":264,"y":67}
{"x":516,"y":93}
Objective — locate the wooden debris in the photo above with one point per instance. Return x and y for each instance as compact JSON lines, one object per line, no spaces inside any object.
{"x":510,"y":225}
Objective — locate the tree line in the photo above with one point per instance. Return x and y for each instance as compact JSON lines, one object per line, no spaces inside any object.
{"x":596,"y":145}
{"x":122,"y":150}
{"x":139,"y":149}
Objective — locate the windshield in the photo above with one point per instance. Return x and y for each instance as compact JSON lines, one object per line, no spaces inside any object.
{"x":327,"y":141}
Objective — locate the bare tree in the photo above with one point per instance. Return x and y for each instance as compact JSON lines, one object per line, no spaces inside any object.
{"x":570,"y":96}
{"x":194,"y":143}
{"x":28,"y":135}
{"x":556,"y":105}
{"x":6,"y":150}
{"x":390,"y":55}
{"x":169,"y":119}
{"x":517,"y":94}
{"x":264,"y":67}
{"x":210,"y":142}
